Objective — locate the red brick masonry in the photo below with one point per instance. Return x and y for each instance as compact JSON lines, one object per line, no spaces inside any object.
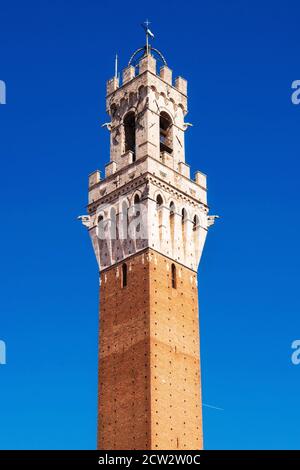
{"x":149,"y":357}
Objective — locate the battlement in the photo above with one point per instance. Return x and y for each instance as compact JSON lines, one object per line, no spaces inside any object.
{"x":147,"y":63}
{"x":98,"y":187}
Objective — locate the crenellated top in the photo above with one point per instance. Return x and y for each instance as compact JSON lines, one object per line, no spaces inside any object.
{"x":146,"y":64}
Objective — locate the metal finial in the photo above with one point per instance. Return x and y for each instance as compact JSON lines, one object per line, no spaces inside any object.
{"x":116,"y":66}
{"x":149,"y":33}
{"x":147,"y":48}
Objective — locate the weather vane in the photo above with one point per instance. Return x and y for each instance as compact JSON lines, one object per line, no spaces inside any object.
{"x":147,"y":49}
{"x":145,"y":26}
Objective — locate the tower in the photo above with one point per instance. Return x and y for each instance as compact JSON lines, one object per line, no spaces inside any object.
{"x":148,"y":222}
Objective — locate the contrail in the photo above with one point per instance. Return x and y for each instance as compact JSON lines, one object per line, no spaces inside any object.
{"x":212,"y":406}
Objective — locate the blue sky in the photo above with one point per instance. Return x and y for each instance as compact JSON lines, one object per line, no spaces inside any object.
{"x":240,"y":58}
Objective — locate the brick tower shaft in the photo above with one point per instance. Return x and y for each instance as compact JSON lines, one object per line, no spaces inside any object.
{"x":149,"y":371}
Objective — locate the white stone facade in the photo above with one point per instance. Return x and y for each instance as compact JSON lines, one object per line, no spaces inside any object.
{"x":147,"y":183}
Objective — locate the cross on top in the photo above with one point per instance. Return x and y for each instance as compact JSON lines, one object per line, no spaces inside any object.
{"x":148,"y":33}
